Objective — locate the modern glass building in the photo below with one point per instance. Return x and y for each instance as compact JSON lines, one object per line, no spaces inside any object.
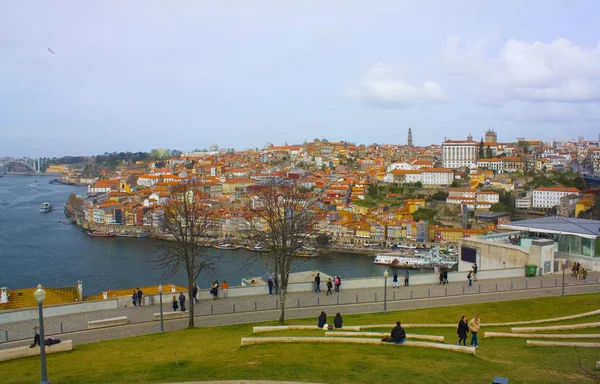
{"x":575,"y":239}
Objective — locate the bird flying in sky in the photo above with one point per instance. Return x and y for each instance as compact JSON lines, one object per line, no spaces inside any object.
{"x":51,"y":51}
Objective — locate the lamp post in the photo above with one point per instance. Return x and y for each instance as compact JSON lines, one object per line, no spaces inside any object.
{"x":160,"y":291}
{"x":39,"y":296}
{"x":385,"y":276}
{"x":564,"y":265}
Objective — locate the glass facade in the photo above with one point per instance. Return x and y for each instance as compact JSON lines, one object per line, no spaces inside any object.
{"x":576,"y":245}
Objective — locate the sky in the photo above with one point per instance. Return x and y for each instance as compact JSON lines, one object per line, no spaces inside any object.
{"x":132,"y":75}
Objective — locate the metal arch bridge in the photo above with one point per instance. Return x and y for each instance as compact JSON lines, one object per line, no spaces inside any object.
{"x":27,"y":166}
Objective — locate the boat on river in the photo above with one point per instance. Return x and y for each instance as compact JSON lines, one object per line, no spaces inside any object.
{"x":307,"y":252}
{"x":430,"y":260}
{"x":257,"y":248}
{"x":225,"y":246}
{"x":46,"y":207}
{"x":129,"y":234}
{"x":100,"y":234}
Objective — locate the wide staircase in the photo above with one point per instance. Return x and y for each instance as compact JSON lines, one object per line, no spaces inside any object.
{"x":23,"y":298}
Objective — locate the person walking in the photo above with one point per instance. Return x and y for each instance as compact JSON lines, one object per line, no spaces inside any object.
{"x":462,"y":330}
{"x":406,"y":277}
{"x":475,"y":269}
{"x":182,"y":301}
{"x":270,"y":283}
{"x":214,"y":289}
{"x":329,"y":286}
{"x":574,"y":269}
{"x":445,"y":276}
{"x":174,"y":302}
{"x":470,"y":278}
{"x":338,"y":282}
{"x":318,"y":283}
{"x":224,"y":288}
{"x":338,"y":321}
{"x":395,"y":280}
{"x":474,"y":325}
{"x":139,"y":297}
{"x":584,"y":275}
{"x":134,"y":298}
{"x":442,"y":276}
{"x":322,"y":320}
{"x":195,"y":293}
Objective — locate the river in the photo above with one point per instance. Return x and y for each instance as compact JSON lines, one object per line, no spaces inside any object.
{"x":37,"y":248}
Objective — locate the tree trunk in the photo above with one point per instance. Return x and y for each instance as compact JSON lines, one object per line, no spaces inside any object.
{"x":281,"y":307}
{"x":190,"y":305}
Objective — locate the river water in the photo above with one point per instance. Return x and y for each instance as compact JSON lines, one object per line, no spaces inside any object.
{"x":37,"y":248}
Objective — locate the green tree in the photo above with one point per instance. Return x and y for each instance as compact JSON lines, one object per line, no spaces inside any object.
{"x":439,"y":195}
{"x":488,"y":152}
{"x":427,"y":214}
{"x":481,"y":149}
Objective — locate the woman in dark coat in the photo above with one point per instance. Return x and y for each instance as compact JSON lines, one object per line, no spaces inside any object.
{"x":338,"y":321}
{"x":322,"y":320}
{"x":175,"y":305}
{"x":463,"y":329}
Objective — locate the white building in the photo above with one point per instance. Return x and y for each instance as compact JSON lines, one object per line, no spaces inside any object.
{"x":436,"y":176}
{"x":549,"y":197}
{"x":524,"y":202}
{"x":488,"y":197}
{"x":459,"y":153}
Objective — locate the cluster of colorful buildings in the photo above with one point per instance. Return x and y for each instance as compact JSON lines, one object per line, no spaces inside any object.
{"x":339,"y":174}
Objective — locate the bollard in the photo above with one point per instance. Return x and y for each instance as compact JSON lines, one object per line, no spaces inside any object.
{"x":6,"y":335}
{"x":318,"y":300}
{"x":496,"y":287}
{"x":511,"y":285}
{"x":526,"y":284}
{"x":298,"y":303}
{"x":479,"y":288}
{"x":338,"y":300}
{"x":211,"y":309}
{"x":394,"y":295}
{"x":541,"y":283}
{"x":411,"y":293}
{"x":446,"y":291}
{"x":276,"y":304}
{"x":255,"y":305}
{"x":375,"y":296}
{"x":357,"y":298}
{"x":233,"y":307}
{"x":556,"y":283}
{"x":463,"y":289}
{"x":429,"y":292}
{"x":61,"y":327}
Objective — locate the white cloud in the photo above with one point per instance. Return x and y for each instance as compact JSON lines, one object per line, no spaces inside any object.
{"x":560,"y":71}
{"x":383,"y":87}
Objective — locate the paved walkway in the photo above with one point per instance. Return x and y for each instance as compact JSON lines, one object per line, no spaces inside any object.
{"x":250,"y":309}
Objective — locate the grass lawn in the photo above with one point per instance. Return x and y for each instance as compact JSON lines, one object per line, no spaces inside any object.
{"x":215,"y":353}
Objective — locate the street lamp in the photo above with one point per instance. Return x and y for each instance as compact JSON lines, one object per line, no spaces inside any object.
{"x":40,"y":295}
{"x":564,"y":265}
{"x":160,"y":291}
{"x":385,"y":276}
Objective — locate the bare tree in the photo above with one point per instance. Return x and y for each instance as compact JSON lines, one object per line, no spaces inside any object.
{"x":281,"y":219}
{"x":187,"y":221}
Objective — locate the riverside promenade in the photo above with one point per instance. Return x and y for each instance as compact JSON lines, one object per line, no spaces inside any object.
{"x":250,"y":309}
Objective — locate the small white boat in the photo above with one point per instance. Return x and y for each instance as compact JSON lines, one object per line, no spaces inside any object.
{"x":46,"y":207}
{"x":226,"y":246}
